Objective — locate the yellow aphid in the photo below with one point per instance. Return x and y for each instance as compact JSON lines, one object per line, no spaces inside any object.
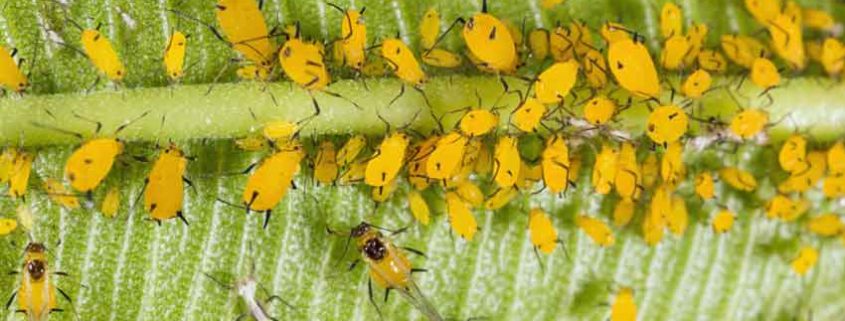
{"x":251,"y":143}
{"x":460,"y":216}
{"x":828,"y":224}
{"x":483,"y":161}
{"x":748,"y":123}
{"x":554,"y":83}
{"x":793,"y":154}
{"x":470,"y":193}
{"x":375,"y":67}
{"x":441,"y":58}
{"x":7,"y":162}
{"x":24,"y":216}
{"x":817,"y":19}
{"x":507,"y":162}
{"x":528,"y":115}
{"x":742,"y":50}
{"x":543,"y":232}
{"x":418,"y":207}
{"x":36,"y":294}
{"x":447,"y":155}
{"x":246,"y":31}
{"x":350,"y":150}
{"x":806,"y":259}
{"x":89,"y":164}
{"x":738,"y":179}
{"x":165,"y":186}
{"x":763,"y":10}
{"x":661,"y":206}
{"x":19,"y":179}
{"x":627,"y":182}
{"x":836,"y":158}
{"x":555,"y":164}
{"x":60,"y":195}
{"x":650,"y":170}
{"x":696,"y":36}
{"x":417,"y":160}
{"x":678,"y":218}
{"x":623,"y":212}
{"x":429,"y":28}
{"x":612,"y":32}
{"x":401,"y":59}
{"x":604,"y":170}
{"x":538,"y":43}
{"x":653,"y":230}
{"x":548,"y":4}
{"x":252,"y":72}
{"x":710,"y":60}
{"x":834,"y":186}
{"x":675,"y":49}
{"x":303,"y":63}
{"x":704,"y":186}
{"x":778,"y":206}
{"x":633,"y":68}
{"x":764,"y":73}
{"x":500,"y":198}
{"x":596,"y":229}
{"x":337,"y":53}
{"x":11,"y":77}
{"x":529,"y":175}
{"x":672,"y":168}
{"x":381,"y":194}
{"x":671,"y":20}
{"x":353,"y":32}
{"x":279,"y":131}
{"x":599,"y":110}
{"x":696,"y":84}
{"x":832,"y":56}
{"x":574,"y":168}
{"x":489,"y":40}
{"x":562,"y":44}
{"x":353,"y":174}
{"x":666,"y":124}
{"x":595,"y":69}
{"x":477,"y":122}
{"x":788,"y":41}
{"x":174,"y":55}
{"x":803,"y":180}
{"x":325,"y":165}
{"x":270,"y":181}
{"x":723,"y":221}
{"x":387,"y":160}
{"x":7,"y":225}
{"x":102,"y":55}
{"x":111,"y":203}
{"x":624,"y":308}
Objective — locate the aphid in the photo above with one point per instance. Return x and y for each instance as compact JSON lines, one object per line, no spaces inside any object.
{"x":381,"y":194}
{"x":595,"y":69}
{"x":325,"y":165}
{"x":387,"y":160}
{"x":7,"y":225}
{"x":787,"y":40}
{"x":742,"y":50}
{"x":612,"y":32}
{"x":675,"y":49}
{"x":599,"y":110}
{"x":666,"y":124}
{"x":596,"y":229}
{"x":738,"y":179}
{"x":246,"y":31}
{"x":111,"y":203}
{"x":543,"y":233}
{"x":627,"y":181}
{"x":828,"y":224}
{"x":246,"y":288}
{"x":793,"y":154}
{"x":19,"y":178}
{"x":804,"y":180}
{"x":251,"y":72}
{"x":350,"y":150}
{"x":817,"y":19}
{"x":763,"y":10}
{"x":704,"y":186}
{"x":678,"y":218}
{"x":11,"y":76}
{"x":660,"y":207}
{"x":528,"y":175}
{"x":429,"y":28}
{"x":671,"y":20}
{"x":270,"y":181}
{"x":303,"y":63}
{"x":447,"y":155}
{"x":418,"y":207}
{"x":623,"y":212}
{"x":460,"y":216}
{"x":806,"y":259}
{"x":538,"y":43}
{"x":650,"y":170}
{"x":60,"y":195}
{"x":164,"y":187}
{"x":500,"y":198}
{"x":604,"y":170}
{"x":489,"y":40}
{"x":507,"y":162}
{"x":672,"y":168}
{"x":7,"y":161}
{"x":441,"y":58}
{"x":723,"y":221}
{"x":711,"y":60}
{"x":696,"y":36}
{"x":353,"y":41}
{"x":624,"y":308}
{"x":554,"y":83}
{"x":401,"y":59}
{"x":353,"y":174}
{"x":749,"y":122}
{"x":836,"y":158}
{"x":633,"y":68}
{"x":89,"y":164}
{"x":555,"y":164}
{"x":37,"y":294}
{"x":833,"y":56}
{"x":697,"y":84}
{"x":102,"y":55}
{"x":528,"y":115}
{"x":653,"y":229}
{"x":24,"y":216}
{"x":478,"y":122}
{"x":174,"y":55}
{"x":764,"y":73}
{"x":418,"y":160}
{"x":782,"y":207}
{"x":483,"y":161}
{"x":470,"y":193}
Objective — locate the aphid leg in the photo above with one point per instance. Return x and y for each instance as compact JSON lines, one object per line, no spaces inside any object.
{"x":353,"y":265}
{"x":539,"y":260}
{"x":62,"y":292}
{"x":267,"y":214}
{"x":386,"y":294}
{"x":191,"y":184}
{"x":276,"y":297}
{"x":182,"y":217}
{"x":372,"y":300}
{"x":11,"y":298}
{"x":90,"y":88}
{"x":417,"y":270}
{"x":415,"y":251}
{"x":401,"y":91}
{"x":336,"y":95}
{"x":241,"y":317}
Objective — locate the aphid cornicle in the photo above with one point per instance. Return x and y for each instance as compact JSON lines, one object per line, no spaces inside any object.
{"x":36,"y":294}
{"x":164,"y":187}
{"x":102,"y":55}
{"x":174,"y":55}
{"x":11,"y":77}
{"x":489,"y":40}
{"x":270,"y":181}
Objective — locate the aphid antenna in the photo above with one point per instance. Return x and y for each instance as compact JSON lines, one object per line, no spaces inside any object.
{"x":127,"y":124}
{"x":218,"y":282}
{"x":445,"y":33}
{"x":57,"y":129}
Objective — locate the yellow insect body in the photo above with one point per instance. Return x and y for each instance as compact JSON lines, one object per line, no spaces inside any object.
{"x":381,"y":194}
{"x":270,"y":181}
{"x":528,"y":115}
{"x":696,"y":36}
{"x":418,"y":162}
{"x":633,"y":68}
{"x":7,"y":225}
{"x":7,"y":163}
{"x":418,"y":207}
{"x":489,"y":40}
{"x":441,"y":58}
{"x":763,"y":10}
{"x":429,"y":28}
{"x":543,"y":233}
{"x":401,"y":59}
{"x":246,"y":31}
{"x":612,"y":32}
{"x":604,"y":170}
{"x":836,"y":158}
{"x":697,"y":84}
{"x":833,"y":56}
{"x":653,"y":230}
{"x":325,"y":166}
{"x":671,"y":20}
{"x":60,"y":195}
{"x":764,"y":73}
{"x":387,"y":160}
{"x":723,"y":221}
{"x":252,"y":72}
{"x":174,"y":55}
{"x":19,"y":178}
{"x":628,"y":180}
{"x":599,"y":110}
{"x":165,"y":186}
{"x":37,"y":294}
{"x":595,"y":69}
{"x":500,"y":198}
{"x":596,"y":229}
{"x":111,"y":203}
{"x":555,"y":164}
{"x":350,"y":150}
{"x":102,"y":55}
{"x":89,"y":164}
{"x":353,"y":33}
{"x":743,"y":50}
{"x":303,"y":63}
{"x":666,"y":124}
{"x":806,"y":260}
{"x":793,"y":154}
{"x":672,"y":168}
{"x":828,"y":224}
{"x":650,"y":170}
{"x":624,"y":308}
{"x":802,"y":181}
{"x":11,"y":77}
{"x":788,"y":41}
{"x":470,"y":193}
{"x":507,"y":162}
{"x":678,"y":218}
{"x":554,"y":83}
{"x":749,"y":123}
{"x":353,"y":174}
{"x":817,"y":19}
{"x":623,"y":212}
{"x":538,"y":43}
{"x":675,"y":49}
{"x":710,"y":60}
{"x":446,"y":157}
{"x":704,"y":186}
{"x":477,"y":122}
{"x":460,"y":216}
{"x":738,"y":179}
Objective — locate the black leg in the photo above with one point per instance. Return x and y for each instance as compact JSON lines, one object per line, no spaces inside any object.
{"x":415,"y":251}
{"x":372,"y":300}
{"x":11,"y":299}
{"x":401,"y":91}
{"x":277,"y":298}
{"x":182,"y":217}
{"x":267,"y":217}
{"x":386,"y":294}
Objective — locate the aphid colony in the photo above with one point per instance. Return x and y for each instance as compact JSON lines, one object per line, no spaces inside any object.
{"x":647,"y":177}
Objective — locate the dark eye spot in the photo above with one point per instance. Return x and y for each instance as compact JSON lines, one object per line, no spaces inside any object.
{"x":619,"y":65}
{"x":286,"y":52}
{"x":651,"y":127}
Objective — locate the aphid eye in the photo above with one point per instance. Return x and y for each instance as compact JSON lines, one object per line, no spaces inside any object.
{"x":470,"y":23}
{"x":35,"y":269}
{"x":398,"y":50}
